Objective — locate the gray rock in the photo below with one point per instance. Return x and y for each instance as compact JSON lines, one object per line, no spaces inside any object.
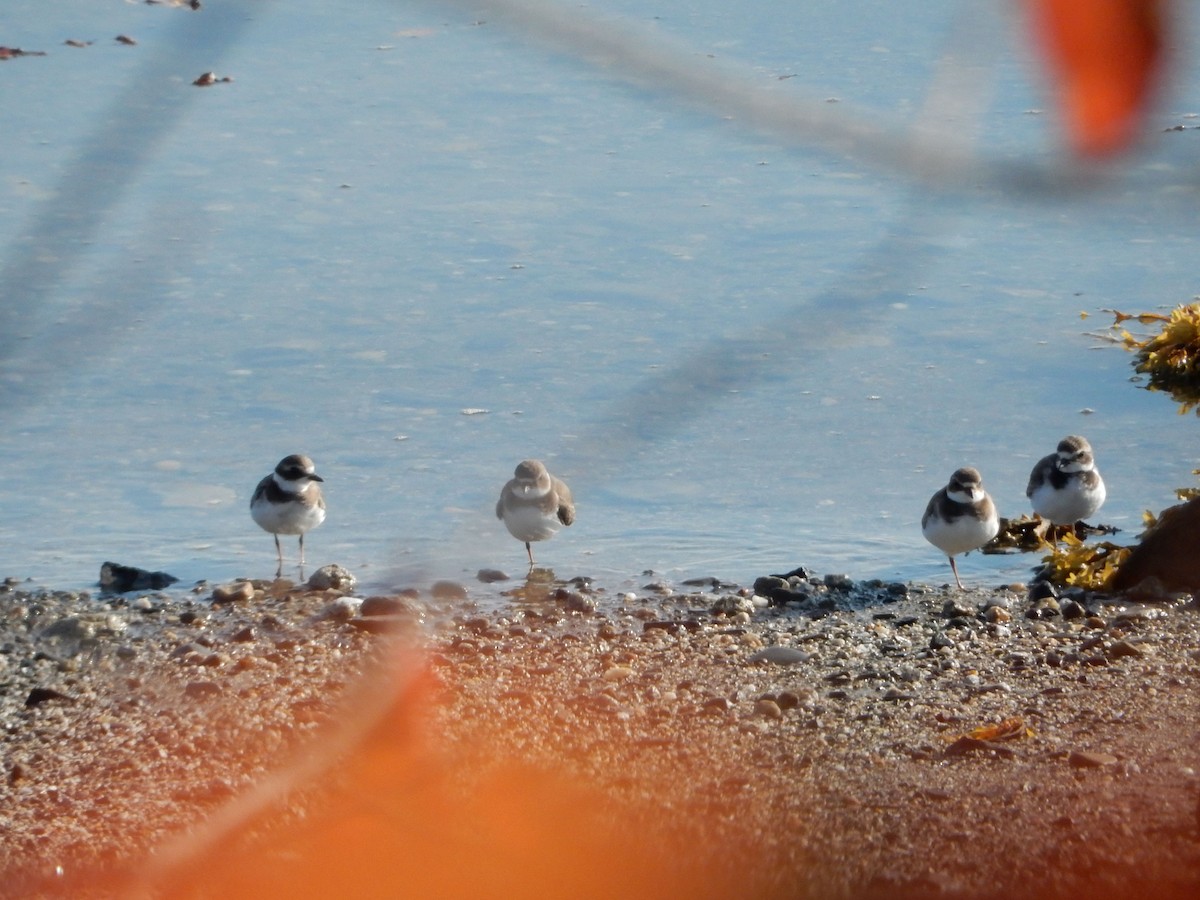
{"x":780,"y":656}
{"x":333,"y":578}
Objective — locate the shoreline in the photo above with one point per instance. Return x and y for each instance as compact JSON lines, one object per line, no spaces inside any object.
{"x":821,"y":738}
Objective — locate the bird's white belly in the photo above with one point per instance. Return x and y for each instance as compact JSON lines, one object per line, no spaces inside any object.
{"x":287,"y":518}
{"x":530,"y":524}
{"x":963,"y":534}
{"x":1068,"y":506}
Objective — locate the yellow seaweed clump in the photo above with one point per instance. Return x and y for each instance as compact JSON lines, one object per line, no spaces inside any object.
{"x":1171,"y":358}
{"x":1090,"y":566}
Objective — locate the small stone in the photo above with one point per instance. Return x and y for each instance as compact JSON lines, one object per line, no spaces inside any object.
{"x":1087,"y":759}
{"x":780,"y":656}
{"x":618,"y":673}
{"x":245,"y":635}
{"x":343,"y":609}
{"x":839,"y":582}
{"x":940,"y":641}
{"x":1041,"y":590}
{"x":237,"y":592}
{"x":768,"y":583}
{"x":768,"y":708}
{"x":491,"y":576}
{"x":730,"y":605}
{"x":788,"y":700}
{"x":39,"y":695}
{"x":996,"y":615}
{"x":333,"y":578}
{"x":448,"y":590}
{"x":576,"y":602}
{"x":953,"y":609}
{"x":1072,"y":609}
{"x":1121,"y":649}
{"x":119,"y":579}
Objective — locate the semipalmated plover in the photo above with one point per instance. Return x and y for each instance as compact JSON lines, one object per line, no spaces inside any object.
{"x":1065,"y":487}
{"x":534,"y":504}
{"x":289,"y":501}
{"x":960,"y":517}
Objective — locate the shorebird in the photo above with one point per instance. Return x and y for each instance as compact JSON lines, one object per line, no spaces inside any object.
{"x":534,"y":504}
{"x":960,"y":517}
{"x":1065,"y":487}
{"x":289,"y":501}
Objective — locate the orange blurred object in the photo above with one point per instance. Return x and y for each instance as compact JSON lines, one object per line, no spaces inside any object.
{"x":395,"y":818}
{"x":1106,"y":57}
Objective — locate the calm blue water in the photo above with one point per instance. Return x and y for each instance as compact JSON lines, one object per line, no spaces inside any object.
{"x":744,"y":353}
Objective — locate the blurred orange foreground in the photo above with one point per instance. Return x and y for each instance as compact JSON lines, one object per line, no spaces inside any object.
{"x":394,"y":819}
{"x":1106,"y":59}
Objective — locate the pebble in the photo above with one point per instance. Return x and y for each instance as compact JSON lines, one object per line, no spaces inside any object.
{"x":1087,"y":759}
{"x":618,"y":673}
{"x":448,"y":590}
{"x":333,"y":578}
{"x":780,"y":656}
{"x":768,"y":708}
{"x":237,"y":592}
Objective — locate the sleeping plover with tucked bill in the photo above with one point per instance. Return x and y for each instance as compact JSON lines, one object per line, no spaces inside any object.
{"x":1065,"y":487}
{"x":289,"y":501}
{"x":960,"y":517}
{"x":534,"y":504}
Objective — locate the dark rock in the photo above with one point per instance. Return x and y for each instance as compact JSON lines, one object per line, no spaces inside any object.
{"x":799,"y":572}
{"x":491,"y":576}
{"x":784,"y":596}
{"x":940,"y":641}
{"x":1072,"y":609}
{"x":1041,"y":590}
{"x":118,"y":579}
{"x":245,"y":635}
{"x":766,"y":584}
{"x":39,"y":695}
{"x":1167,"y":552}
{"x":953,"y":609}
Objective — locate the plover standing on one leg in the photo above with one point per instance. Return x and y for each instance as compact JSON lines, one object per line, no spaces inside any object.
{"x":1065,"y":487}
{"x":960,"y":517}
{"x":534,"y":504}
{"x":289,"y":501}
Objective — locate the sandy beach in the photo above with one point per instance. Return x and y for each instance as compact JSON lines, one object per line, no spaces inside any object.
{"x":808,"y":736}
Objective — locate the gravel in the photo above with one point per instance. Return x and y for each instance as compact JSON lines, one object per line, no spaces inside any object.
{"x":805,"y":736}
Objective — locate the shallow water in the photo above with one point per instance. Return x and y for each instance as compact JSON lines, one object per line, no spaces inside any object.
{"x":419,"y":247}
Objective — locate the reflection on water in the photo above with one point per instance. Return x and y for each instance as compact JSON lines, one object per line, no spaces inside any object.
{"x":416,"y":248}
